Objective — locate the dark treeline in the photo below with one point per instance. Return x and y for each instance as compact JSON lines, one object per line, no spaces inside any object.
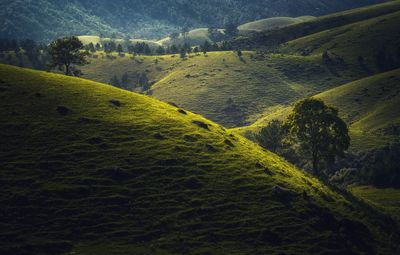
{"x":37,"y":53}
{"x":142,"y":48}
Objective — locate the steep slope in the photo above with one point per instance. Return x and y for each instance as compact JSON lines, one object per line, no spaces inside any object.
{"x":369,"y":106}
{"x":90,"y":169}
{"x":48,"y":19}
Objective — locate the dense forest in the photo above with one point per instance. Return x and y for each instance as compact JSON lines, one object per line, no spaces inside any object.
{"x":47,"y":20}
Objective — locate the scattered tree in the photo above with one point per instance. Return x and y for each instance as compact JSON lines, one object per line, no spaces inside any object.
{"x":318,"y":130}
{"x":124,"y":80}
{"x":182,"y":53}
{"x":120,"y":49}
{"x":271,"y":136}
{"x":66,"y":52}
{"x":115,"y":81}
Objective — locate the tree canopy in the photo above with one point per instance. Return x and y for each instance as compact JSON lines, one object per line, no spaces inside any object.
{"x":318,"y":130}
{"x":66,"y":52}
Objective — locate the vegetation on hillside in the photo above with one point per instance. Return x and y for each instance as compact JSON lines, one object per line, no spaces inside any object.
{"x":87,"y":168}
{"x":48,"y":20}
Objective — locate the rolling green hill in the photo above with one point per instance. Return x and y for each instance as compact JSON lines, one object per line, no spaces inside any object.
{"x":364,"y":39}
{"x":387,"y":199}
{"x":194,"y":37}
{"x":272,"y":39}
{"x":87,"y":168}
{"x":236,"y":91}
{"x":369,"y":106}
{"x":272,"y":23}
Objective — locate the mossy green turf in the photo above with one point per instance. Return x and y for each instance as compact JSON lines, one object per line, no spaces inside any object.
{"x":124,"y":173}
{"x":369,"y":106}
{"x":387,"y":199}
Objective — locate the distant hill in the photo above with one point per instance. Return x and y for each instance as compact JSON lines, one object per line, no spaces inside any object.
{"x":91,"y":169}
{"x":48,"y":19}
{"x":273,"y":38}
{"x":272,"y":23}
{"x":369,"y":106}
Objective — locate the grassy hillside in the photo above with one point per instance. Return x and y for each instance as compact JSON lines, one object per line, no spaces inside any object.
{"x":103,"y":67}
{"x":371,"y":43}
{"x":272,"y":39}
{"x":234,"y":90}
{"x":91,"y":169}
{"x":272,"y":23}
{"x":387,"y":199}
{"x":194,"y":37}
{"x":369,"y":106}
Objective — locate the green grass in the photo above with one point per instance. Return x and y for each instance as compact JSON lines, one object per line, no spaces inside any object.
{"x":272,"y":23}
{"x":273,"y":38}
{"x":124,"y":173}
{"x":369,"y":106}
{"x":361,"y":39}
{"x":194,"y":37}
{"x":102,"y":68}
{"x":386,"y":199}
{"x":233,"y":91}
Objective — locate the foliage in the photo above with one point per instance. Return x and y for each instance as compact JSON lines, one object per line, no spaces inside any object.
{"x":66,"y":52}
{"x":318,"y":130}
{"x":271,"y":136}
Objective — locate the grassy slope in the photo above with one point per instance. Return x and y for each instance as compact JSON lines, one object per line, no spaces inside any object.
{"x":275,"y":37}
{"x":194,"y":37}
{"x":254,"y":83}
{"x":369,"y":106}
{"x":272,"y":23}
{"x":364,"y":38}
{"x":142,"y":178}
{"x":205,"y":84}
{"x":102,"y":68}
{"x":258,"y":85}
{"x":388,"y":199}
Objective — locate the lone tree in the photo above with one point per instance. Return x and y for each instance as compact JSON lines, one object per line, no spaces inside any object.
{"x":66,"y":52}
{"x":271,"y":136}
{"x":318,"y":130}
